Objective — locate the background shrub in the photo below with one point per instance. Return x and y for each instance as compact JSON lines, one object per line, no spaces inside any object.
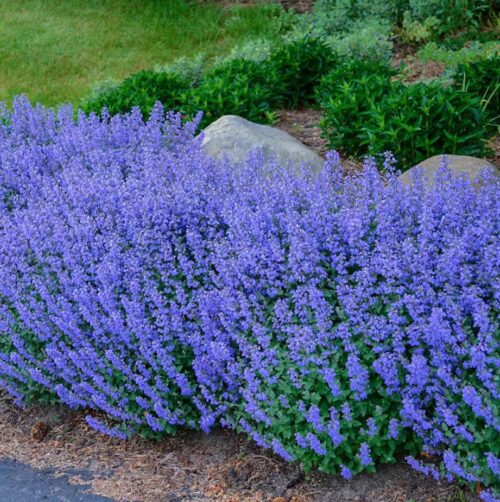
{"x":189,"y":69}
{"x":482,"y":78}
{"x":354,"y":29}
{"x":256,"y":50}
{"x":368,"y":40}
{"x":300,"y":66}
{"x":442,"y":17}
{"x":413,"y":20}
{"x":252,"y":88}
{"x":476,"y":51}
{"x":331,"y":17}
{"x":236,"y":87}
{"x":370,"y":114}
{"x":338,"y":320}
{"x":458,"y":42}
{"x":142,"y":89}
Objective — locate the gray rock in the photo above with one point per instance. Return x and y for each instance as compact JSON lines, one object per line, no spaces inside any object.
{"x":458,"y":164}
{"x":235,"y":137}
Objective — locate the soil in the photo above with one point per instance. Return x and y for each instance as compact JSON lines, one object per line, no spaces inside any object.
{"x":494,"y":145}
{"x":415,"y":70}
{"x":221,"y":466}
{"x":299,"y":6}
{"x":303,"y":124}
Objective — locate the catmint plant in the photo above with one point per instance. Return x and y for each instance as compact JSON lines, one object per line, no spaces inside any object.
{"x":338,"y":320}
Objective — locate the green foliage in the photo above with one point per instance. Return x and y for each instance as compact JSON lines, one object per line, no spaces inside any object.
{"x":241,"y":86}
{"x":473,"y":52}
{"x":143,"y":89}
{"x":300,"y":66}
{"x":482,"y":78}
{"x":313,"y":391}
{"x":430,"y":19}
{"x":258,"y":49}
{"x":368,"y":40}
{"x":333,"y":17}
{"x":255,"y":80}
{"x":415,"y":20}
{"x":354,"y":29}
{"x":190,"y":69}
{"x":370,"y":114}
{"x":414,"y":31}
{"x":237,"y":87}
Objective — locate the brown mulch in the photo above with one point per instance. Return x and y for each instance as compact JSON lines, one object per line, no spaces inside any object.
{"x":416,"y":70}
{"x":494,"y":145}
{"x":222,"y":466}
{"x":303,"y":124}
{"x":299,"y":6}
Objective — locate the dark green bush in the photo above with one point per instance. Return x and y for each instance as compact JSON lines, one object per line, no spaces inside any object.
{"x":237,"y":87}
{"x":142,"y":89}
{"x":301,"y":65}
{"x":252,"y":89}
{"x":482,"y":78}
{"x":370,"y":114}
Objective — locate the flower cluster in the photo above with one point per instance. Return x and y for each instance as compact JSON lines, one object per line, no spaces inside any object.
{"x":338,"y":321}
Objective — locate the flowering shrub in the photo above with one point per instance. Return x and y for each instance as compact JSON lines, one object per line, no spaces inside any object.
{"x":337,"y":321}
{"x":108,"y":258}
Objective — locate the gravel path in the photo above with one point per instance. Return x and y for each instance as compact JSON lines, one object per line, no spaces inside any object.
{"x":21,"y":483}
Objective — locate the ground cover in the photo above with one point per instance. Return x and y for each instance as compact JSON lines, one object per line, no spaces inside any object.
{"x":160,"y":290}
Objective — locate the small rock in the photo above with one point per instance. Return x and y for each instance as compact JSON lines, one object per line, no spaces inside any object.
{"x":458,"y":164}
{"x":235,"y":137}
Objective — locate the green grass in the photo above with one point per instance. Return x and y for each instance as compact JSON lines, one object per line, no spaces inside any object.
{"x":56,"y":50}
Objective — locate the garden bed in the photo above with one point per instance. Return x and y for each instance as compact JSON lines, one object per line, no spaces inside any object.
{"x":221,"y":466}
{"x":307,"y":321}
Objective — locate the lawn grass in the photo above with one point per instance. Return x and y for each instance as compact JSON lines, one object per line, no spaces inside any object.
{"x":56,"y":50}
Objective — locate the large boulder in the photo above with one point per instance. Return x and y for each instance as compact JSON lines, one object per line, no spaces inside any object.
{"x":235,"y":137}
{"x":458,"y":164}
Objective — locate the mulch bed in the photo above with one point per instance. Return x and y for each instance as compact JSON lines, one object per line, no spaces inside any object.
{"x":494,"y":144}
{"x":416,"y":70}
{"x":303,"y":124}
{"x":299,"y":6}
{"x":222,"y":466}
